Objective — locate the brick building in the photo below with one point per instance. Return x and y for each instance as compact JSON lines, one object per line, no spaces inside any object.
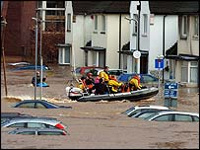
{"x":18,"y":16}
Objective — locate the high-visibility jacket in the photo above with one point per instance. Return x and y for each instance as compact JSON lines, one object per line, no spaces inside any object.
{"x":104,"y":75}
{"x":135,"y":82}
{"x":115,"y":85}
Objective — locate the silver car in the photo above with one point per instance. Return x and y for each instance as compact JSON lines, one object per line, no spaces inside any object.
{"x":34,"y":122}
{"x":38,"y":131}
{"x":174,"y":116}
{"x":137,"y":109}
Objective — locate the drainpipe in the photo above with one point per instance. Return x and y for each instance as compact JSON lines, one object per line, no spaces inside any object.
{"x":120,"y":41}
{"x":163,"y":45}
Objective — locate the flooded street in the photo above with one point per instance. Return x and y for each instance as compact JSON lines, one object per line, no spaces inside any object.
{"x":95,"y":125}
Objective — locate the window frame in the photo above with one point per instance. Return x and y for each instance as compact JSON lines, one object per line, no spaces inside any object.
{"x":69,"y":19}
{"x":196,"y":27}
{"x":184,"y":27}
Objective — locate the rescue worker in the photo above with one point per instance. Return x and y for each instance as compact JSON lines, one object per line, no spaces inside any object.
{"x":104,"y":74}
{"x":82,"y":84}
{"x":134,"y":83}
{"x":89,"y":81}
{"x":114,"y":83}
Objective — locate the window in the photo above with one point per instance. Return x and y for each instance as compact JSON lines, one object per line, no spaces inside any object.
{"x":27,"y":105}
{"x":103,"y":24}
{"x":49,"y":133}
{"x":184,"y":27}
{"x":17,"y":125}
{"x":68,"y":22}
{"x":196,"y":119}
{"x":196,"y":26}
{"x":39,"y":105}
{"x":185,"y":118}
{"x":184,"y":71}
{"x":64,"y":55}
{"x":27,"y":132}
{"x":164,"y":118}
{"x":135,"y":24}
{"x":145,"y":21}
{"x":95,"y":23}
{"x":35,"y":125}
{"x":193,"y":71}
{"x":55,"y":4}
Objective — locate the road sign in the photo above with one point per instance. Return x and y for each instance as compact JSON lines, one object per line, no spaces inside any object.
{"x":137,"y":54}
{"x":171,"y":85}
{"x":159,"y":63}
{"x":171,"y":93}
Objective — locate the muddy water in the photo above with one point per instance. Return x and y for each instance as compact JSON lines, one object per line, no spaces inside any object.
{"x":96,"y":124}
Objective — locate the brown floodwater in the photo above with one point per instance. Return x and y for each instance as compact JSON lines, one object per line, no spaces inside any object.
{"x":96,"y":124}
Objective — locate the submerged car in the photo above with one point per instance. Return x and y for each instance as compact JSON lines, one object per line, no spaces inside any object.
{"x":177,"y":116}
{"x":38,"y":104}
{"x":145,"y":79}
{"x":38,"y":131}
{"x":84,"y":70}
{"x":32,"y":67}
{"x":34,"y":122}
{"x":9,"y":115}
{"x":137,"y":109}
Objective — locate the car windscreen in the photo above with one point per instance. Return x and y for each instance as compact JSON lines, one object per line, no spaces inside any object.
{"x":128,"y":110}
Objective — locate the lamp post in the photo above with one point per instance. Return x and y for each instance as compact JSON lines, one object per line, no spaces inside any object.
{"x":36,"y":53}
{"x":3,"y":25}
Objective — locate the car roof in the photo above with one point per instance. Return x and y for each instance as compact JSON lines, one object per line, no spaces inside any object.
{"x":151,"y":106}
{"x":178,"y":112}
{"x":37,"y":129}
{"x":31,"y":119}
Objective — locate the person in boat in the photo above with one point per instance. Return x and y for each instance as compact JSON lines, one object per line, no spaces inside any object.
{"x":115,"y":85}
{"x":37,"y":78}
{"x":89,"y":81}
{"x":134,"y":83}
{"x":104,"y":74}
{"x":100,"y":86}
{"x":82,"y":85}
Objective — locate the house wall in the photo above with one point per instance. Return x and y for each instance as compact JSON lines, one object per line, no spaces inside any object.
{"x":112,"y":55}
{"x":191,"y":44}
{"x":156,"y":36}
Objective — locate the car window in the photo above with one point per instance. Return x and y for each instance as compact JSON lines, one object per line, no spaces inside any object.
{"x":135,"y":112}
{"x":164,"y":118}
{"x":145,"y":115}
{"x":35,"y":125}
{"x":39,"y":105}
{"x":49,"y":126}
{"x":196,"y":119}
{"x":17,"y":125}
{"x":129,"y":110}
{"x":27,"y":132}
{"x":185,"y":118}
{"x":27,"y":105}
{"x":49,"y":133}
{"x":148,"y":78}
{"x":77,"y":70}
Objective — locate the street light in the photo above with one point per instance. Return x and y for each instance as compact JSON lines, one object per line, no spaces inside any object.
{"x":36,"y":52}
{"x":136,"y":54}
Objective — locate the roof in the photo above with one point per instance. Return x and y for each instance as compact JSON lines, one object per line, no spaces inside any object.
{"x":156,"y":7}
{"x":185,"y":57}
{"x":174,"y":7}
{"x":90,"y":7}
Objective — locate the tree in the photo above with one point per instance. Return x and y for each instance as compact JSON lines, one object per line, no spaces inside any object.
{"x":54,"y":34}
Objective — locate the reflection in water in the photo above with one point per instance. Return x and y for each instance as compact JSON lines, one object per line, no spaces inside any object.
{"x":170,"y":102}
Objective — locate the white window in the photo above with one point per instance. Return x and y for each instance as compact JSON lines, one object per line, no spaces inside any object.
{"x":196,"y":26}
{"x":64,"y":55}
{"x":95,"y":23}
{"x":193,"y":71}
{"x":68,"y":22}
{"x":184,"y":26}
{"x":103,"y":24}
{"x":135,"y":24}
{"x":145,"y":21}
